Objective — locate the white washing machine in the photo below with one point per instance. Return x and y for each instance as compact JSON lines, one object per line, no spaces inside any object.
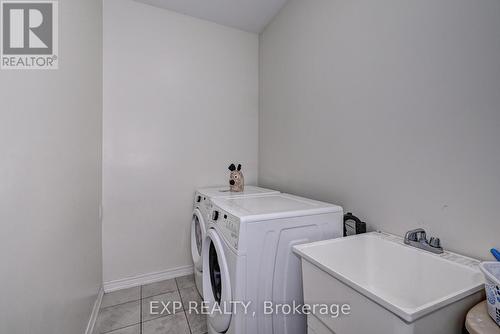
{"x":247,"y":257}
{"x":201,"y":213}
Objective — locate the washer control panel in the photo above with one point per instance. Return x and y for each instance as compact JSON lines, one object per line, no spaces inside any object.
{"x":198,"y":198}
{"x":204,"y":204}
{"x":228,"y":224}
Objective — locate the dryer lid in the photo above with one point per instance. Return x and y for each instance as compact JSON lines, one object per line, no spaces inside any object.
{"x":223,"y":191}
{"x":274,"y":206}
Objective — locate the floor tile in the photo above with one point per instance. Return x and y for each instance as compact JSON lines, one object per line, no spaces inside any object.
{"x":197,"y":321}
{"x":190,"y":294}
{"x":172,"y":324}
{"x":121,"y":296}
{"x":169,"y":299}
{"x":119,"y":316}
{"x":135,"y":329}
{"x":158,"y":288}
{"x":185,"y":281}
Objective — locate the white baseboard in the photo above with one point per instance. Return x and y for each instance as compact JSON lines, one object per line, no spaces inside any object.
{"x":130,"y":282}
{"x":95,"y":312}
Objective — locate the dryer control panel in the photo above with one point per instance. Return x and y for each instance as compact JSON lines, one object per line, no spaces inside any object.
{"x":228,"y":224}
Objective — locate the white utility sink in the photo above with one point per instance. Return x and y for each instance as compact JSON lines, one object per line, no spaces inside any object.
{"x":390,"y":287}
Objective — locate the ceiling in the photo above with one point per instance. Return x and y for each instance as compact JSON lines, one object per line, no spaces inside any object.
{"x":248,"y":15}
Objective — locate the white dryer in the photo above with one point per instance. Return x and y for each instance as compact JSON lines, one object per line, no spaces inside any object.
{"x":201,"y":213}
{"x":247,"y":257}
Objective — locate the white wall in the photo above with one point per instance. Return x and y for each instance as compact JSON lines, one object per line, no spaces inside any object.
{"x":389,"y":108}
{"x":50,"y":144}
{"x":180,"y":104}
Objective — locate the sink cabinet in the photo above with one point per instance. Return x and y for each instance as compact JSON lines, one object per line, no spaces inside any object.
{"x":367,"y":316}
{"x":390,"y":287}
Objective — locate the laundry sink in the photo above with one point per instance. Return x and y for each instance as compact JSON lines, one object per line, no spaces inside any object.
{"x":389,"y":286}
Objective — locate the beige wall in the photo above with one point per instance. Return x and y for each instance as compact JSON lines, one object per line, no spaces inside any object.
{"x":390,"y":108}
{"x":180,"y":104}
{"x":50,"y":143}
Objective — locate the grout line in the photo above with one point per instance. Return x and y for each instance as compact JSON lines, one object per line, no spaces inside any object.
{"x":140,"y":323}
{"x":159,"y":294}
{"x":130,"y":301}
{"x":183,"y":307}
{"x":120,"y":328}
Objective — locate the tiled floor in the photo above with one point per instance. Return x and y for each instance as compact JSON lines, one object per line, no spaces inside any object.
{"x":128,"y":311}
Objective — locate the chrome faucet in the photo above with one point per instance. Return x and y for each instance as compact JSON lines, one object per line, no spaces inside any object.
{"x":418,"y":238}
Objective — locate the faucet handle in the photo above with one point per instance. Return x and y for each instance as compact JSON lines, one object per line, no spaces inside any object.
{"x":435,"y":242}
{"x":415,"y":235}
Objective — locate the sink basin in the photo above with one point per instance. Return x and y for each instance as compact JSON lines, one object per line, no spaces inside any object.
{"x":391,"y":287}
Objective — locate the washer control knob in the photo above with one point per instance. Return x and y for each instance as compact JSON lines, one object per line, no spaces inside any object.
{"x":215,"y":215}
{"x":198,"y":199}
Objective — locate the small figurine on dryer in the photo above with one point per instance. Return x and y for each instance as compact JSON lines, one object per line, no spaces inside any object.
{"x":236,"y":179}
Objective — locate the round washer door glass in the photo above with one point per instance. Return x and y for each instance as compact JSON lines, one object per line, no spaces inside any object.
{"x":197,"y":235}
{"x":215,"y":279}
{"x":216,"y":282}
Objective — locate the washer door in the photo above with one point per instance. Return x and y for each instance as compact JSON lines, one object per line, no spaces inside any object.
{"x":216,"y":282}
{"x":198,"y":231}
